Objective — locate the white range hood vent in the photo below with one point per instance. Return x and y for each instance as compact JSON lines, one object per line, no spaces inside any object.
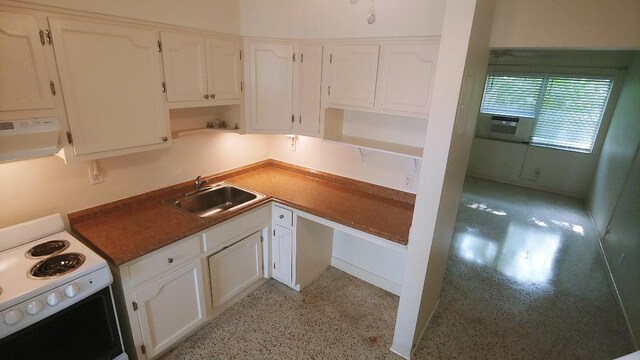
{"x":24,"y":139}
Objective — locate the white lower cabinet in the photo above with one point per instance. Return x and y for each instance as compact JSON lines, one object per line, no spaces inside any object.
{"x":235,"y":268}
{"x":170,"y":307}
{"x":281,"y":254}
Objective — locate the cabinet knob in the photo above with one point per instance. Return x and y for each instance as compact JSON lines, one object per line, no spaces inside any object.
{"x":170,"y":260}
{"x":206,"y":96}
{"x":281,"y":216}
{"x":213,"y":96}
{"x":165,"y":139}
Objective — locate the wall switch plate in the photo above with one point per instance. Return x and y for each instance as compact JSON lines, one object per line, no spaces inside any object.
{"x":95,"y":178}
{"x":407,"y":181}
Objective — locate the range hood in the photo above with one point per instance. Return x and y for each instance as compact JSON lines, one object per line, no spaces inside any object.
{"x":29,"y":138}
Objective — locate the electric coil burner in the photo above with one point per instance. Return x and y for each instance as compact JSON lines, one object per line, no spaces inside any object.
{"x":47,"y":248}
{"x":51,"y":281}
{"x":55,"y":266}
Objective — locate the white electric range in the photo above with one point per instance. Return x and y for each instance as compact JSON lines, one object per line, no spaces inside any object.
{"x":50,"y":280}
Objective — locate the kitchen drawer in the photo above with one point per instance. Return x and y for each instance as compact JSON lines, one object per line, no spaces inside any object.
{"x":241,"y":225}
{"x":282,"y":216}
{"x":170,"y":257}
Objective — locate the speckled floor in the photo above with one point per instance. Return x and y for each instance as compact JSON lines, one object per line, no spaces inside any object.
{"x":524,"y":280}
{"x":336,"y":317}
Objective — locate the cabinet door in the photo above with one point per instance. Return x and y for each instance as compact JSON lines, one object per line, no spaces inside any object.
{"x":23,"y":67}
{"x":308,"y":90}
{"x":235,"y":268}
{"x":170,"y":307}
{"x":111,"y":78}
{"x":352,"y":75}
{"x":184,"y":63}
{"x":406,"y":76}
{"x":281,"y":253}
{"x":224,"y":69}
{"x":271,"y":90}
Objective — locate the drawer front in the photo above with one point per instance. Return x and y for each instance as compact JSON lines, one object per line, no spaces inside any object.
{"x":164,"y":259}
{"x":232,"y":229}
{"x":282,"y":216}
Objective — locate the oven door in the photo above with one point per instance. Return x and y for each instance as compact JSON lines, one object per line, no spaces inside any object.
{"x":85,"y":330}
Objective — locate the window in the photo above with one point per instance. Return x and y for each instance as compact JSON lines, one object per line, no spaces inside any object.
{"x":568,"y":109}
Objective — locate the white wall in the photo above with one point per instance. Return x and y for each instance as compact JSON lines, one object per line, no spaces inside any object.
{"x":614,"y":198}
{"x":598,"y":24}
{"x":618,"y":151}
{"x":377,"y":168}
{"x":561,"y":172}
{"x":304,"y":19}
{"x":39,"y":187}
{"x":213,"y":15}
{"x":459,"y":78}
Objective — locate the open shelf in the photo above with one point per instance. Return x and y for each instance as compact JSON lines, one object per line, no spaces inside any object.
{"x":376,"y":132}
{"x":377,"y":145}
{"x":189,"y":121}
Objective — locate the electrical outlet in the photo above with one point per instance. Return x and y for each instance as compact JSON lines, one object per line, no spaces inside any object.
{"x":95,"y":178}
{"x":407,"y":181}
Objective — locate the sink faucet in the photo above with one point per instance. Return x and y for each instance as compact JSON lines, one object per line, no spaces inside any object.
{"x":199,"y":183}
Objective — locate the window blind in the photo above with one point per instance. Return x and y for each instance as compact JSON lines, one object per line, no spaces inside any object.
{"x":570,"y":112}
{"x":567,"y":109}
{"x":511,"y":95}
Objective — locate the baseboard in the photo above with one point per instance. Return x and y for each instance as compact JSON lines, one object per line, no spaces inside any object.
{"x":367,"y":276}
{"x":611,"y":278}
{"x":407,"y":354}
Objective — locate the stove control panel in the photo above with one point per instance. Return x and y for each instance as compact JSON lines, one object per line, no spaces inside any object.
{"x":50,"y":302}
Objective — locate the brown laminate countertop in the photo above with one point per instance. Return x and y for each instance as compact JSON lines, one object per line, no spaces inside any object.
{"x":127,"y":229}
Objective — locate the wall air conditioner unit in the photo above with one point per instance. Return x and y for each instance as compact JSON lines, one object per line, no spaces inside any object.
{"x":507,"y":128}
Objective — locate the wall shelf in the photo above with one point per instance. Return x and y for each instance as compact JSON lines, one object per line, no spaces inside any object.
{"x":180,"y":133}
{"x":375,"y":132}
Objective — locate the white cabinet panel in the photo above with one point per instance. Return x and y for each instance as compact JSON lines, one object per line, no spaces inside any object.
{"x":111,"y":78}
{"x":271,"y":89}
{"x":170,"y":307}
{"x":405,"y":77}
{"x":282,"y":253}
{"x":352,"y":75}
{"x":224,"y":69}
{"x":235,"y":268}
{"x":308,"y":90}
{"x":23,"y":67}
{"x":184,"y":66}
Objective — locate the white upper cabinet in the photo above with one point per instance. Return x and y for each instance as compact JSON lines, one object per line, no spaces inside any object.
{"x":405,"y":77}
{"x":111,"y":77}
{"x":393,"y":77}
{"x":185,"y":69}
{"x":352,"y":75}
{"x":308,"y":79}
{"x":224,"y":69}
{"x":199,"y":69}
{"x":270,"y":87}
{"x":25,"y":81}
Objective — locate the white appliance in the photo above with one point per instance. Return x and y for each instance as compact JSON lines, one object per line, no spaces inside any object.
{"x":507,"y":128}
{"x":55,"y":290}
{"x":29,"y":138}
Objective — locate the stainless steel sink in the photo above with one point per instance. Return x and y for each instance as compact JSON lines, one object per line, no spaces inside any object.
{"x":215,"y":200}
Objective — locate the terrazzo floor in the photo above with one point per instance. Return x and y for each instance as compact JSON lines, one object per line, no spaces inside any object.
{"x":524,"y":280}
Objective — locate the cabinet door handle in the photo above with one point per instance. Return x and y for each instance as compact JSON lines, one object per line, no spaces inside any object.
{"x":300,"y":119}
{"x":165,"y":139}
{"x":170,"y":260}
{"x":281,"y":216}
{"x":206,"y":96}
{"x":213,"y":96}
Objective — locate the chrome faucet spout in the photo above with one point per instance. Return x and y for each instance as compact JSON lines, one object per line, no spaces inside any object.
{"x":199,"y":183}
